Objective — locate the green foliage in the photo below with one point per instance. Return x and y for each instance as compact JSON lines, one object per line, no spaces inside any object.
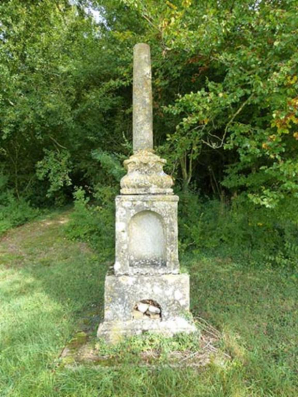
{"x":285,"y":257}
{"x":236,"y":93}
{"x":62,"y":85}
{"x":13,"y":211}
{"x":254,"y":235}
{"x":93,"y":220}
{"x":55,"y":167}
{"x":110,"y":163}
{"x":94,"y":223}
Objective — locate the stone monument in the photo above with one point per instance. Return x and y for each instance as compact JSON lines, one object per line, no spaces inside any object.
{"x":145,"y":291}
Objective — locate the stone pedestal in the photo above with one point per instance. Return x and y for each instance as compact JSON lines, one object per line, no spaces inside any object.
{"x":123,"y":295}
{"x":146,"y":271}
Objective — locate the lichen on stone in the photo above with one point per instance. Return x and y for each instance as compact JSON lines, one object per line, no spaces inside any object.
{"x":145,"y":175}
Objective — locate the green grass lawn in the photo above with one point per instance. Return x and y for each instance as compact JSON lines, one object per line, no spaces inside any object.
{"x":51,"y":288}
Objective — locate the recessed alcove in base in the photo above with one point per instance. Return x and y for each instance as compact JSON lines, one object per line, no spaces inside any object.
{"x":147,"y":309}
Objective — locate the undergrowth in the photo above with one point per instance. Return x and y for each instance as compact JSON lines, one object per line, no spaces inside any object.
{"x":15,"y":212}
{"x":94,"y":222}
{"x":254,"y":235}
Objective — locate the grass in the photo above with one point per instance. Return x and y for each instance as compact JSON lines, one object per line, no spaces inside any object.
{"x":52,"y":288}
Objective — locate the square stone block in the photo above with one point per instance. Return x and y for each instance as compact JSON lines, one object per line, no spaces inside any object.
{"x":146,"y":235}
{"x":123,"y":294}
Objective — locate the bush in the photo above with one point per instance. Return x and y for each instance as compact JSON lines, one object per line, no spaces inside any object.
{"x":94,"y":222}
{"x":14,"y":212}
{"x":241,"y":229}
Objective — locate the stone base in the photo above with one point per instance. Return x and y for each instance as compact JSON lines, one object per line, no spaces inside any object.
{"x":169,"y":292}
{"x":114,"y":331}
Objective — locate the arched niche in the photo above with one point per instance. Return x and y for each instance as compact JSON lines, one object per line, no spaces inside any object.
{"x":147,"y":240}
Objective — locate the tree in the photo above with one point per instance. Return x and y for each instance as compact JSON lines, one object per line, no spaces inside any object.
{"x":59,"y":97}
{"x":236,"y":63}
{"x":224,"y":83}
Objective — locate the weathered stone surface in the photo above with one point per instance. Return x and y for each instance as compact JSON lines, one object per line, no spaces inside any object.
{"x":149,"y":245}
{"x":122,"y":294}
{"x":137,"y":314}
{"x":155,"y":316}
{"x":114,"y":331}
{"x":160,"y":256}
{"x":146,"y":293}
{"x":142,"y":98}
{"x":145,"y":175}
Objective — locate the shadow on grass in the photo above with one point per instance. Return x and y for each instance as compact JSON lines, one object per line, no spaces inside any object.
{"x":67,"y":272}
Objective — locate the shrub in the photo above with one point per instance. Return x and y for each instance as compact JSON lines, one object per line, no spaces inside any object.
{"x":94,"y":222}
{"x":13,"y":211}
{"x":240,"y":229}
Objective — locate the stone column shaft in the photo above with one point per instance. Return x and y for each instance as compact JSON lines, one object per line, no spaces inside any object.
{"x":142,"y":99}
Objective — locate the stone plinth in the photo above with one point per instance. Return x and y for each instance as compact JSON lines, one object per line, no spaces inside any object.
{"x":146,"y":234}
{"x":123,"y":294}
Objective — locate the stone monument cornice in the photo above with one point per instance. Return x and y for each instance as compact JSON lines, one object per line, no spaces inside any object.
{"x":145,"y":174}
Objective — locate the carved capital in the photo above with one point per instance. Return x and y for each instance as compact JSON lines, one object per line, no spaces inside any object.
{"x":145,"y":175}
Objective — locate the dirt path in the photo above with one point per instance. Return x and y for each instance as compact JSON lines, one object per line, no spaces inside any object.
{"x":40,"y":240}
